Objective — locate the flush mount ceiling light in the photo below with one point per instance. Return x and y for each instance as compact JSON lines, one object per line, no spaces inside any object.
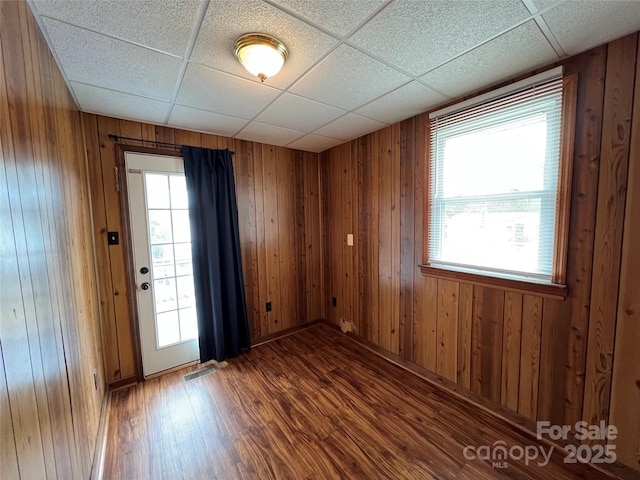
{"x":262,"y":55}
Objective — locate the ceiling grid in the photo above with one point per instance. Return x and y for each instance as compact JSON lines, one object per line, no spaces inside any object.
{"x":354,"y":66}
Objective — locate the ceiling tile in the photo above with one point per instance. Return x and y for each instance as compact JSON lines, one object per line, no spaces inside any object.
{"x":119,"y":105}
{"x":542,"y":4}
{"x":315,"y":143}
{"x":225,"y":21}
{"x":350,"y":126}
{"x":223,"y":93}
{"x":418,"y":36}
{"x":291,"y":111}
{"x":517,"y":51}
{"x":134,"y":21}
{"x":405,"y":102}
{"x":269,"y":134}
{"x":202,"y":121}
{"x":579,"y":25}
{"x":348,"y":79}
{"x":337,"y":16}
{"x":95,"y":59}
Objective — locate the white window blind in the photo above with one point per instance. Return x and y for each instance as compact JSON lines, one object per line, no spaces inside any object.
{"x":493,"y":179}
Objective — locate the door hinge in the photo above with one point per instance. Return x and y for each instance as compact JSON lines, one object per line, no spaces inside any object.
{"x":116,"y":178}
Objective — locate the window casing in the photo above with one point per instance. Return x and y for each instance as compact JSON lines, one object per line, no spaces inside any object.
{"x":499,"y":178}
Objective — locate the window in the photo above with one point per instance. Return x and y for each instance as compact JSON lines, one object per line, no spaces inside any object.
{"x":499,"y":175}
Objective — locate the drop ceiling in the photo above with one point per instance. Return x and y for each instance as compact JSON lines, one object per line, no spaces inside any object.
{"x":354,"y":66}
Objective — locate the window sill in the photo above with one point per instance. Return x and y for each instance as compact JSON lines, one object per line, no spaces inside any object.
{"x":547,"y":290}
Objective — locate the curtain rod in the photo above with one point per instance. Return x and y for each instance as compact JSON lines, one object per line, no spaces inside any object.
{"x":167,"y":144}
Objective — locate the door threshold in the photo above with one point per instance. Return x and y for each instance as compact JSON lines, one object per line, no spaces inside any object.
{"x":193,"y":363}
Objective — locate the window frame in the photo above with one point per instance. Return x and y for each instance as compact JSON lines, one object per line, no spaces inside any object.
{"x":556,"y":288}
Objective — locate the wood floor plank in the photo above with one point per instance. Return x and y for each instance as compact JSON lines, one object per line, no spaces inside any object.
{"x":312,"y":405}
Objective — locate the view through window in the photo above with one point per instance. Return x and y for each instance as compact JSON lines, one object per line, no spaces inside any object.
{"x":494,"y":180}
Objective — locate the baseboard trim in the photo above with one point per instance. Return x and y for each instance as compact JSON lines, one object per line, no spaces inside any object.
{"x":519,"y":422}
{"x":125,"y":382}
{"x":97,"y":466}
{"x":285,"y":333}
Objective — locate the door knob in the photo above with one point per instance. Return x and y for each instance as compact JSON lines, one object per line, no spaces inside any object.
{"x":145,"y":286}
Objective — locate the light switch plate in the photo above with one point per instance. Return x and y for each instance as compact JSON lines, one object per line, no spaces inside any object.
{"x":350,"y":239}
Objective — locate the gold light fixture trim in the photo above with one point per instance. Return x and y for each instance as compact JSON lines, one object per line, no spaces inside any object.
{"x":261,"y":55}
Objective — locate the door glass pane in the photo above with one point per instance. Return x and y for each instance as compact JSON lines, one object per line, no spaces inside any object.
{"x":181,"y":227}
{"x":168,"y":328}
{"x":185,"y":291}
{"x":188,"y":324}
{"x":157,"y":186}
{"x":183,"y":259}
{"x":162,"y":258}
{"x":178,"y":192}
{"x":160,"y":226}
{"x":172,"y":269}
{"x":165,"y":294}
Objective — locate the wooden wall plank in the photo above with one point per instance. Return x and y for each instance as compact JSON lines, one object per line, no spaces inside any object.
{"x":465,"y":322}
{"x":530,"y":356}
{"x":310,"y":219}
{"x":374,"y":247}
{"x":346,"y":218}
{"x":263,"y":294}
{"x":424,"y":289}
{"x":270,"y":185}
{"x":326,"y":232}
{"x":425,"y":316}
{"x":487,"y":333}
{"x":334,"y":220}
{"x":313,"y":237}
{"x":165,"y":134}
{"x":356,"y":179}
{"x":612,"y":185}
{"x":511,"y":350}
{"x":447,"y":329}
{"x":208,"y":141}
{"x":286,"y":235}
{"x":246,"y":200}
{"x":182,"y":137}
{"x":406,"y":232}
{"x":8,"y":454}
{"x":318,"y":226}
{"x":385,"y":239}
{"x":300,"y":251}
{"x":625,"y":388}
{"x":397,"y":342}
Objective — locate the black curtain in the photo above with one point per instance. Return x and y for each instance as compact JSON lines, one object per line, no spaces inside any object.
{"x":217,"y":265}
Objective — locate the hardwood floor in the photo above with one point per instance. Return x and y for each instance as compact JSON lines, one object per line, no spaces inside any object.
{"x":312,"y":405}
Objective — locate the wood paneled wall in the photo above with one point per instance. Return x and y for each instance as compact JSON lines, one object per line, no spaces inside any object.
{"x":49,"y":327}
{"x":546,"y":359}
{"x":279,"y":210}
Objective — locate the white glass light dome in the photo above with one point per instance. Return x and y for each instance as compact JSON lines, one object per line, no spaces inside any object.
{"x":261,"y":55}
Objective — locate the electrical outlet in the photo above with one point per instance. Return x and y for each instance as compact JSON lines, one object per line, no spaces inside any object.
{"x":95,"y":378}
{"x":113,"y":238}
{"x":268,"y":306}
{"x":334,"y":301}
